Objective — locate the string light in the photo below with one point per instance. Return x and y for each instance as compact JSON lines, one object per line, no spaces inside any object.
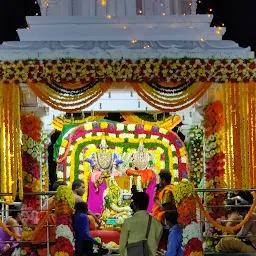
{"x":124,"y":27}
{"x":217,"y":32}
{"x":46,"y":3}
{"x":190,"y":4}
{"x":109,"y":16}
{"x":164,"y":14}
{"x":223,"y":24}
{"x":184,"y":14}
{"x":104,"y":2}
{"x":134,"y":41}
{"x":146,"y":46}
{"x":140,"y":11}
{"x":201,"y":39}
{"x":36,"y":14}
{"x":27,"y":27}
{"x":210,"y":9}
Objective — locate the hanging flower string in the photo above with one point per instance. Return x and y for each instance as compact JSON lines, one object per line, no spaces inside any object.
{"x":185,"y":198}
{"x":226,"y":228}
{"x":215,"y":162}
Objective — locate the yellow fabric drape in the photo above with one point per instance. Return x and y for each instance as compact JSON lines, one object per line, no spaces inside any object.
{"x":10,"y":147}
{"x":172,"y":102}
{"x":69,"y":103}
{"x":169,"y":123}
{"x":240,"y":134}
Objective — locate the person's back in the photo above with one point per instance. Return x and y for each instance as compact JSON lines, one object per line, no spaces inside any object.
{"x":134,"y":229}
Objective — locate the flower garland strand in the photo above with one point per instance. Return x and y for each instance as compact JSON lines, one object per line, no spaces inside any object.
{"x":215,"y":162}
{"x":195,"y":148}
{"x":185,"y":198}
{"x":226,"y":228}
{"x":64,"y":232}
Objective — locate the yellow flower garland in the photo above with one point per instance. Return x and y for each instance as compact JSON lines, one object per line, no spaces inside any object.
{"x":169,"y":123}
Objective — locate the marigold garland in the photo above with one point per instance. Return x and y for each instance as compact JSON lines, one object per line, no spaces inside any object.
{"x":225,"y":228}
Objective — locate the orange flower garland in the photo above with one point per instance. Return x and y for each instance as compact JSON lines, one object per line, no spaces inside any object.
{"x":225,"y":228}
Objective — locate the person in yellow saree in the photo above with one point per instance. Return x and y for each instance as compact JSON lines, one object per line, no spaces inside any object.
{"x":163,"y":199}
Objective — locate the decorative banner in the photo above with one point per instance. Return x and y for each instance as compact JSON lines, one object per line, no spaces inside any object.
{"x":80,"y":143}
{"x":10,"y":143}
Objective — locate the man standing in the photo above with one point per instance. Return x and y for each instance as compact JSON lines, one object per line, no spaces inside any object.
{"x":78,"y":188}
{"x":134,"y":229}
{"x":163,"y":199}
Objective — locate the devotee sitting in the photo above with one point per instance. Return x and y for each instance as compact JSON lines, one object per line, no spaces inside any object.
{"x":78,"y":188}
{"x":13,"y":225}
{"x":163,"y":199}
{"x":241,"y":244}
{"x":83,"y":240}
{"x":134,"y":229}
{"x":175,"y":236}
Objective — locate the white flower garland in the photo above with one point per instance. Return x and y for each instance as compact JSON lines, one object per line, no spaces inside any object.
{"x":190,"y":231}
{"x":64,"y":231}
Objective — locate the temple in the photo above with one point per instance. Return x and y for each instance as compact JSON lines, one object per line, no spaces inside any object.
{"x":112,"y":93}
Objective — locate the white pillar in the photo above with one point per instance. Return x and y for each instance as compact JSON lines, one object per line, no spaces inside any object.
{"x":66,"y":7}
{"x":101,"y":10}
{"x":130,"y":6}
{"x":92,"y":11}
{"x":193,"y":7}
{"x":121,"y":8}
{"x":177,"y":7}
{"x":148,"y":8}
{"x":111,"y":7}
{"x":85,"y":8}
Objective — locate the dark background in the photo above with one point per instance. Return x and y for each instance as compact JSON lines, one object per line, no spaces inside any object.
{"x":237,"y":15}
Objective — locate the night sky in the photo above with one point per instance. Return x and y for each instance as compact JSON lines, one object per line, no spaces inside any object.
{"x":237,"y":15}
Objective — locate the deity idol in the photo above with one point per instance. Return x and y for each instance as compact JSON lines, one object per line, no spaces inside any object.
{"x":141,"y":162}
{"x":104,"y":164}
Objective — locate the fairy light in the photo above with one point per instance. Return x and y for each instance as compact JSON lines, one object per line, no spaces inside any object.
{"x":109,"y":16}
{"x":218,"y":32}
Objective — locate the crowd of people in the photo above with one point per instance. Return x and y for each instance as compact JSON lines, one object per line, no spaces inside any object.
{"x":143,"y":233}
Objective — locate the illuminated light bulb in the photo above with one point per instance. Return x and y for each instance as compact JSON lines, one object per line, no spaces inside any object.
{"x":109,"y":16}
{"x":184,"y":14}
{"x":134,"y":41}
{"x":145,"y":47}
{"x":217,"y":32}
{"x":209,"y":15}
{"x":190,"y":4}
{"x":210,"y":9}
{"x":223,"y":24}
{"x":27,"y":27}
{"x":148,"y":46}
{"x":164,"y":14}
{"x":36,"y":14}
{"x":46,"y":3}
{"x":124,"y":27}
{"x":201,"y":39}
{"x":104,"y":2}
{"x":199,"y":2}
{"x":35,"y":2}
{"x":219,"y":28}
{"x":140,"y":11}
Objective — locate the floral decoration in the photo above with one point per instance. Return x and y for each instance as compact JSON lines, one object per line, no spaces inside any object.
{"x":65,"y":245}
{"x":215,"y":165}
{"x":67,"y":70}
{"x":196,"y":157}
{"x":185,"y":198}
{"x":170,"y":149}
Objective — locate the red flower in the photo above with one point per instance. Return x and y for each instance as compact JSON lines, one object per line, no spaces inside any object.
{"x":64,"y":245}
